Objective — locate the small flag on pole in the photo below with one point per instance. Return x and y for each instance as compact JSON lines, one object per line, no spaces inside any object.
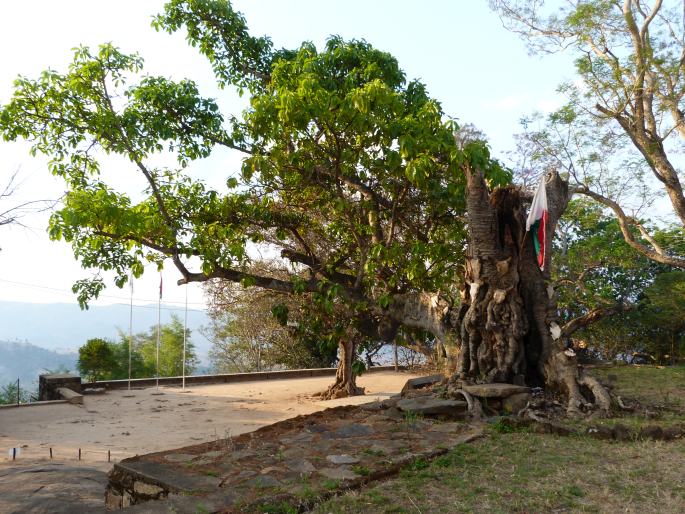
{"x":537,"y":221}
{"x":160,"y":286}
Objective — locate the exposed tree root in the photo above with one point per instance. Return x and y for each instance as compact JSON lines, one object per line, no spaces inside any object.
{"x":600,"y":393}
{"x":475,"y":409}
{"x":345,"y":380}
{"x":340,"y":390}
{"x":584,"y":394}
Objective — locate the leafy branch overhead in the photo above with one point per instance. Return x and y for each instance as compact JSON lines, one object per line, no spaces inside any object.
{"x":349,"y":170}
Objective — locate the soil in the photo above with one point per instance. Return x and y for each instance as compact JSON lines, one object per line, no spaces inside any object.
{"x":128,"y":423}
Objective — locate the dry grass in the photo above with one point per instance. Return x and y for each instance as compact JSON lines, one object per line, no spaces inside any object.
{"x":524,"y":472}
{"x":651,"y":385}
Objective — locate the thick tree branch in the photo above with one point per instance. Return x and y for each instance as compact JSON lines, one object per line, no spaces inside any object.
{"x":593,"y":316}
{"x":317,"y":266}
{"x":656,"y":253}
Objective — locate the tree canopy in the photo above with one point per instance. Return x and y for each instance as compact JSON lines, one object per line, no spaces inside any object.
{"x":624,"y":115}
{"x":97,"y":359}
{"x":350,"y":172}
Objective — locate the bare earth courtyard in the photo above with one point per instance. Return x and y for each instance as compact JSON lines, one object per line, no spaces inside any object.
{"x":140,"y":421}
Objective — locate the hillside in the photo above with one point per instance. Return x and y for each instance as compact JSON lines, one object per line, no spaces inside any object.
{"x":25,"y":362}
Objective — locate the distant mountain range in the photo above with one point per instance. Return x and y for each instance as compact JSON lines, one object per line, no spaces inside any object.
{"x":48,"y":335}
{"x":25,"y":362}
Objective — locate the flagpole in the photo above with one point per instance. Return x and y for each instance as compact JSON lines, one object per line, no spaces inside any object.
{"x":185,"y":325}
{"x":130,"y":335}
{"x":159,"y":325}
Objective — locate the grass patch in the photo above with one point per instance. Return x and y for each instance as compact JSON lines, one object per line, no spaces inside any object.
{"x":331,"y":484}
{"x":525,"y":472}
{"x":361,"y":470}
{"x":412,"y":417}
{"x":280,"y":508}
{"x":373,"y":453}
{"x":654,"y":385}
{"x":514,"y":470}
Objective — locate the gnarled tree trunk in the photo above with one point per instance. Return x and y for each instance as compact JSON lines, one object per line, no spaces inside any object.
{"x":507,"y":329}
{"x":345,"y":379}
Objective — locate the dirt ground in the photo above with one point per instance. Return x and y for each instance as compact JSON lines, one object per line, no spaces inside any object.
{"x":127,"y":423}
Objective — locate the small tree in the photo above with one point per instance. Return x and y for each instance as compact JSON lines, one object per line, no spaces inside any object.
{"x":170,"y":349}
{"x":9,"y":394}
{"x":247,"y":336}
{"x":665,"y":310}
{"x":96,"y":359}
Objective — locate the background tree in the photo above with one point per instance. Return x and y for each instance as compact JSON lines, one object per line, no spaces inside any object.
{"x":96,"y":359}
{"x":627,"y":115}
{"x":246,"y":336}
{"x":170,"y":350}
{"x":11,"y":213}
{"x":138,"y":367}
{"x":595,"y":269}
{"x":9,"y":394}
{"x":664,"y":310}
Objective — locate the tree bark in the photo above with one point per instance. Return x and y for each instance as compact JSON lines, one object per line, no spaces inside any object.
{"x":507,"y":327}
{"x":345,"y":379}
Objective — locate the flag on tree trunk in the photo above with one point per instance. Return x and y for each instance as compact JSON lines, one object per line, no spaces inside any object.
{"x":537,"y":221}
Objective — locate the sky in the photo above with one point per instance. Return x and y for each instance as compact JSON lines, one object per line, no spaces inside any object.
{"x":481,"y":74}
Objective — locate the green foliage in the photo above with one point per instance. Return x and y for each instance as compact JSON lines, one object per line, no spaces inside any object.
{"x":246,"y":336}
{"x":100,"y":359}
{"x":170,"y":349}
{"x":96,"y":359}
{"x":9,"y":394}
{"x":595,"y":267}
{"x":349,"y":169}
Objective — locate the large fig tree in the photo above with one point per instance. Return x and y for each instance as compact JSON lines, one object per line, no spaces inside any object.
{"x":350,"y":174}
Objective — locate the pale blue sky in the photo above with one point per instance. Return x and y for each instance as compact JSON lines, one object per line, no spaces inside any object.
{"x":478,"y":71}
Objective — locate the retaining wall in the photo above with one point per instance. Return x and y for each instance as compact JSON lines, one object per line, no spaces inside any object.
{"x":226,"y":378}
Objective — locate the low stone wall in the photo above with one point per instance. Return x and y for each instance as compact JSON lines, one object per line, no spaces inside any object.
{"x":49,"y":384}
{"x":32,"y":404}
{"x":227,"y":378}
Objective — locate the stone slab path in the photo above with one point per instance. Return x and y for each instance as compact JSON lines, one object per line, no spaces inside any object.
{"x":50,"y":488}
{"x":297,"y":462}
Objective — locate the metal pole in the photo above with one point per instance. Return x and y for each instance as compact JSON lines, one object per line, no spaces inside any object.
{"x":130,"y":335}
{"x":159,"y":325}
{"x":185,"y":325}
{"x":396,"y":364}
{"x":18,"y":391}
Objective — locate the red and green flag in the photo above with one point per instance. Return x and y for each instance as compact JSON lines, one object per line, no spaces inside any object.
{"x":537,"y":222}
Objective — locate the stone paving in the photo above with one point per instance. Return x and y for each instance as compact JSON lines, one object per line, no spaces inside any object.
{"x":292,"y":464}
{"x":52,"y":488}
